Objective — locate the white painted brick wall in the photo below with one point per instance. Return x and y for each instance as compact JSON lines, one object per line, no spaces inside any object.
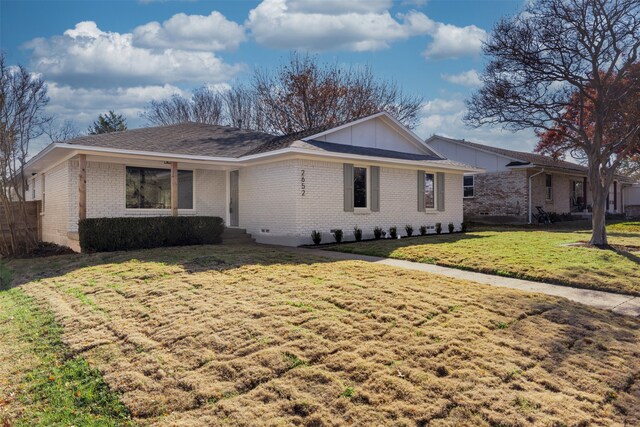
{"x":54,"y":218}
{"x":106,"y":193}
{"x":271,"y":198}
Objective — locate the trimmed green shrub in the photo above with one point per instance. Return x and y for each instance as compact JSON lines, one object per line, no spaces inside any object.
{"x":337,"y":234}
{"x":451,"y":228}
{"x":357,"y":233}
{"x":122,"y":234}
{"x":377,"y":233}
{"x":463,"y":227}
{"x":438,"y":228}
{"x":409,"y":229}
{"x":423,"y":230}
{"x":393,"y":232}
{"x":316,"y":236}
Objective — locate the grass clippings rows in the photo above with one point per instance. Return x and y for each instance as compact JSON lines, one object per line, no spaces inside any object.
{"x":251,"y":336}
{"x":554,"y":255}
{"x":41,"y":384}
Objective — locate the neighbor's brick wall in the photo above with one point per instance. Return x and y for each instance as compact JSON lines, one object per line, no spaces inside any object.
{"x":322,"y":209}
{"x":498,"y":194}
{"x":106,"y":193}
{"x":56,"y":213}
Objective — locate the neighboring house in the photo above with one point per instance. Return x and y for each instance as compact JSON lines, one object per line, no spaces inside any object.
{"x":367,"y":173}
{"x":515,"y":183}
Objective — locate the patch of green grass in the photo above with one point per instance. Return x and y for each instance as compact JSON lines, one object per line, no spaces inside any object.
{"x":5,"y":276}
{"x":552,"y":255}
{"x":294,"y":361}
{"x":302,"y":305}
{"x":349,"y":392}
{"x":55,"y":389}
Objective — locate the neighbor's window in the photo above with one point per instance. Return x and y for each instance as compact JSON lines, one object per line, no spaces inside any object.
{"x":467,"y":185}
{"x":429,"y":191}
{"x":549,"y":184}
{"x":359,"y":187}
{"x":150,"y":188}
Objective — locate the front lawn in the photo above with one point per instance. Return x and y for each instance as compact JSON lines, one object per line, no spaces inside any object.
{"x":249,"y":335}
{"x":551,"y":255}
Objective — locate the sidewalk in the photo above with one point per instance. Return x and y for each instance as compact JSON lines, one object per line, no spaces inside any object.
{"x":621,"y":304}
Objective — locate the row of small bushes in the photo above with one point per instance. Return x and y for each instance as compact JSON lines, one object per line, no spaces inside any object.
{"x":379,"y":233}
{"x":117,"y":234}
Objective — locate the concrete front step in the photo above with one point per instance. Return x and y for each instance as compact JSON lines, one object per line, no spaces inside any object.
{"x":236,"y":235}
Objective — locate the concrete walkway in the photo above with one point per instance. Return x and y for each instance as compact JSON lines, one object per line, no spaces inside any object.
{"x":622,"y":304}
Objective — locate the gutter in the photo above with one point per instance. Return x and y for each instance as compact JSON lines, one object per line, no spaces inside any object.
{"x":531,"y":201}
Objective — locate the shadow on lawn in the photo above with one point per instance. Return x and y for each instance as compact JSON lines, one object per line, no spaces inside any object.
{"x":192,"y":259}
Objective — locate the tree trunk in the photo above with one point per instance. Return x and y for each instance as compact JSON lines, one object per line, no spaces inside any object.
{"x":598,"y":223}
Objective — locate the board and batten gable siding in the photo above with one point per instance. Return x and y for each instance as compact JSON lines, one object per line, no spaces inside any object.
{"x":106,"y":193}
{"x":373,"y":133}
{"x":56,"y":211}
{"x":470,"y":156}
{"x":322,"y":206}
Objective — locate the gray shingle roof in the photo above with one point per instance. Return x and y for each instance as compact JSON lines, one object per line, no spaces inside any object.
{"x":184,"y":138}
{"x":332,"y":147}
{"x":524,"y":158}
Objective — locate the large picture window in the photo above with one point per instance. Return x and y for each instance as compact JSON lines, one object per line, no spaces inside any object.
{"x":467,"y":185}
{"x":429,"y":191}
{"x":359,"y":187}
{"x":150,"y":188}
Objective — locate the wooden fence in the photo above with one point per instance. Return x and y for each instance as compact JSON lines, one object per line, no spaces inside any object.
{"x":31,"y":222}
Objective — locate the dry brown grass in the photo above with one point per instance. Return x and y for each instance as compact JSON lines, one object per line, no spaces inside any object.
{"x":253,"y":336}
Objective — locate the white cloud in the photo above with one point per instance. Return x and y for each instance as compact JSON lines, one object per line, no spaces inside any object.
{"x":321,"y":25}
{"x":334,"y":25}
{"x":450,"y":41}
{"x":86,"y":56}
{"x":467,"y":78}
{"x":444,"y":117}
{"x":190,"y":32}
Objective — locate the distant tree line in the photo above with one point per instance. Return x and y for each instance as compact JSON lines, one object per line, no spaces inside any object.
{"x":300,"y":94}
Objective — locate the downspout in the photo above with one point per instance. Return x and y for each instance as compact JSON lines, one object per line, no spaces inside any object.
{"x":531,"y":201}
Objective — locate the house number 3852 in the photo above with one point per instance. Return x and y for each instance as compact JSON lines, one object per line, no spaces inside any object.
{"x":302,"y":186}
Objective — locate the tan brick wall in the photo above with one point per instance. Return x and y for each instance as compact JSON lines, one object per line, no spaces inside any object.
{"x":498,"y":194}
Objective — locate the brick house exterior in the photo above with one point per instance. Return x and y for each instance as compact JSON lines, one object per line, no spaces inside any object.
{"x":511,"y":178}
{"x":278,"y":188}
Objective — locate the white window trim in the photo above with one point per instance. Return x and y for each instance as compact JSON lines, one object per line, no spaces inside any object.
{"x":435,"y":192}
{"x":140,"y":211}
{"x":473,"y":186}
{"x":368,"y":184}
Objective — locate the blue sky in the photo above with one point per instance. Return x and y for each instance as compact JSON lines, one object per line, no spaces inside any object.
{"x":101,"y":55}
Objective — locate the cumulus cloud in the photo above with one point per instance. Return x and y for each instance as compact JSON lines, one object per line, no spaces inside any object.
{"x":450,"y":41}
{"x":334,"y":25}
{"x":86,"y":56}
{"x":190,"y":32}
{"x":444,"y":116}
{"x":467,"y":78}
{"x":321,"y":25}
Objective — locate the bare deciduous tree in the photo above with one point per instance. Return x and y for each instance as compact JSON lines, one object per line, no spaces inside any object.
{"x":557,"y":52}
{"x":204,"y":106}
{"x":305,"y":93}
{"x":241,"y":108}
{"x":22,"y":100}
{"x":61,"y":131}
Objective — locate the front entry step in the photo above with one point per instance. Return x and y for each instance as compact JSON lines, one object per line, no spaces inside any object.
{"x":236,"y":236}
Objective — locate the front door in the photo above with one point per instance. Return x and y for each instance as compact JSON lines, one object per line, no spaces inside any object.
{"x":233,"y":198}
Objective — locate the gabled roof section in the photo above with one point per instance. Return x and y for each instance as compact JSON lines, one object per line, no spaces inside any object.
{"x":518,"y":158}
{"x":314,"y":134}
{"x":184,"y":138}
